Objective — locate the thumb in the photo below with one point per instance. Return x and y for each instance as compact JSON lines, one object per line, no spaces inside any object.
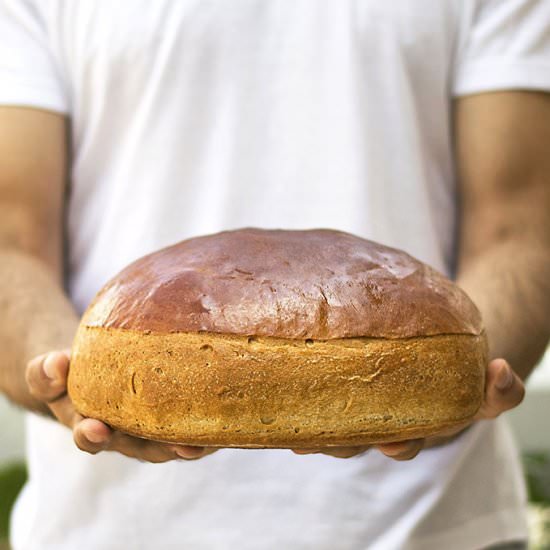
{"x":46,"y":375}
{"x":504,"y":390}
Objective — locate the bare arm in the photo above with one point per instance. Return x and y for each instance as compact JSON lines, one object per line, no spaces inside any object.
{"x":503,"y":159}
{"x":36,"y":315}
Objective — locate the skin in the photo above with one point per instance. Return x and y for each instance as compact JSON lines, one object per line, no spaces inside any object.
{"x":503,"y":263}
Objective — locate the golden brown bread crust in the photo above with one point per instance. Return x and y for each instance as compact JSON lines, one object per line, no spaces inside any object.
{"x":284,"y":339}
{"x":234,"y":391}
{"x":319,"y":283}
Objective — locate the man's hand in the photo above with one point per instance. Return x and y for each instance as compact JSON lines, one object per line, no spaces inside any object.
{"x":504,"y":390}
{"x":47,"y":380}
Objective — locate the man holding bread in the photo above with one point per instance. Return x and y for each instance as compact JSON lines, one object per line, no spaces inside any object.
{"x":128,"y":126}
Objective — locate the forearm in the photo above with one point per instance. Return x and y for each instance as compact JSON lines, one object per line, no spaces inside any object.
{"x":36,"y":317}
{"x":503,"y":170}
{"x":510,"y":283}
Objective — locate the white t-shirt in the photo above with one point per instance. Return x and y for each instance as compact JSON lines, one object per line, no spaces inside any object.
{"x":194,"y":116}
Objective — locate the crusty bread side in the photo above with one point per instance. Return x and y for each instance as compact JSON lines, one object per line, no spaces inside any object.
{"x":202,"y":388}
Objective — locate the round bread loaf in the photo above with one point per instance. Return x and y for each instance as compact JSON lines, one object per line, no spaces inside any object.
{"x":271,"y":338}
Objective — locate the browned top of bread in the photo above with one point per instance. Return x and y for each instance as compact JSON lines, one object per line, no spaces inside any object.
{"x":319,"y":284}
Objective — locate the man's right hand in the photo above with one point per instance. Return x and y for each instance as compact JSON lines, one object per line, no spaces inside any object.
{"x":46,"y":377}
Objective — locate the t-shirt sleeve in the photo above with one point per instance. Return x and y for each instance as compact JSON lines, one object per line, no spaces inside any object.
{"x":503,"y":44}
{"x":29,"y":75}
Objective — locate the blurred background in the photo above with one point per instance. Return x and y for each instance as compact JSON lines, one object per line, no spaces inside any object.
{"x":530,"y":422}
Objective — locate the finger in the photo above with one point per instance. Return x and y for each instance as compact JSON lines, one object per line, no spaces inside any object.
{"x":403,"y":450}
{"x":305,"y":451}
{"x":46,"y":375}
{"x":153,"y":451}
{"x":192,"y":453}
{"x":91,"y":435}
{"x":504,"y":390}
{"x":345,"y":452}
{"x":337,"y":452}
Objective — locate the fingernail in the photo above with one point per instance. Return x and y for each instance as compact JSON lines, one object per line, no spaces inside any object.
{"x":48,"y":366}
{"x":505,"y":378}
{"x":189,"y":452}
{"x":397,"y":451}
{"x":394,"y":448}
{"x":94,"y":437}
